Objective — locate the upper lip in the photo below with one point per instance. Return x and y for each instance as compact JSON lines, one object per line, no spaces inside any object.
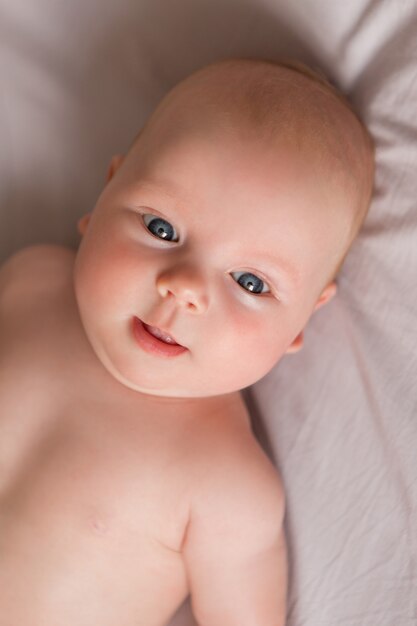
{"x":163,"y":330}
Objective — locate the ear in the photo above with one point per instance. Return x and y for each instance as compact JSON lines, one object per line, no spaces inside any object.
{"x":297,"y":344}
{"x":115,"y":163}
{"x":326,"y":295}
{"x":83,"y":223}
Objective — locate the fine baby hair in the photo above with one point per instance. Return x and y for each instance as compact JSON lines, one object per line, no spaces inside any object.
{"x":250,"y":90}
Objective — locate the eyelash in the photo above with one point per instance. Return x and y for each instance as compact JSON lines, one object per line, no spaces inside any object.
{"x":156,"y":217}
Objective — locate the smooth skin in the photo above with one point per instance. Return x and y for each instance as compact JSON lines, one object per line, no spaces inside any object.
{"x":130,"y":480}
{"x":190,"y":287}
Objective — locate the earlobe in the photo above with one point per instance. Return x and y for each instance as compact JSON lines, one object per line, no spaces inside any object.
{"x":83,"y":223}
{"x":115,"y":163}
{"x":297,"y":344}
{"x":326,"y":295}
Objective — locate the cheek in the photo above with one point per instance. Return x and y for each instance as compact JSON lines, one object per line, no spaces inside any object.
{"x":250,"y":340}
{"x":107,"y":276}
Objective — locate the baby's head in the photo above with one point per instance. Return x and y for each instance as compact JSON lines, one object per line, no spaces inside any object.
{"x":224,"y":225}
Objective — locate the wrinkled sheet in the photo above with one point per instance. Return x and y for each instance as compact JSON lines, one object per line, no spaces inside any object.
{"x":339,"y":418}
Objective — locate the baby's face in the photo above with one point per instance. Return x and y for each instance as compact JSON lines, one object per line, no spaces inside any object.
{"x":221,"y":242}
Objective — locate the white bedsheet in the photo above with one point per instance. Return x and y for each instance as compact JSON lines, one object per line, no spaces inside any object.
{"x":339,"y":418}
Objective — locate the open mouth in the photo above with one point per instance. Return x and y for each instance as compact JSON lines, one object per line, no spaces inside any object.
{"x":159,"y":334}
{"x":149,"y":339}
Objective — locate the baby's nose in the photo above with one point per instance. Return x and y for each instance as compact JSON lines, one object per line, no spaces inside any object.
{"x":187,"y":285}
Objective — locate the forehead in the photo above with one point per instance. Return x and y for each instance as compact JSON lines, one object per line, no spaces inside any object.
{"x":221,"y":168}
{"x":245,"y":192}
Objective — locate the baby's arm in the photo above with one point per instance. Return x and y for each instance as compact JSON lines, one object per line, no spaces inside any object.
{"x":235,"y":550}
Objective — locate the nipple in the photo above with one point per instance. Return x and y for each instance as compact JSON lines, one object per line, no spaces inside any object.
{"x":96,"y":525}
{"x":99,"y":527}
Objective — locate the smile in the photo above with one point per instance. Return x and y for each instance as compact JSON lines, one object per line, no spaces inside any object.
{"x":151,"y":343}
{"x":159,"y":334}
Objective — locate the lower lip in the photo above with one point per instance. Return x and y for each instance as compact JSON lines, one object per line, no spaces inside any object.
{"x":152,"y":344}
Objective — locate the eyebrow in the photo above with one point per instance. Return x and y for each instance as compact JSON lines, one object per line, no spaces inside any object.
{"x":168,"y":188}
{"x":173,"y":191}
{"x":279,"y":263}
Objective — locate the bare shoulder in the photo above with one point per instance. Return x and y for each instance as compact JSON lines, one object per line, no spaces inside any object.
{"x":235,"y":475}
{"x":234,"y":547}
{"x":26,"y":260}
{"x":33,"y":268}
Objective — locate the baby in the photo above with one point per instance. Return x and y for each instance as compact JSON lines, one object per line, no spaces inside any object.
{"x":129,"y":473}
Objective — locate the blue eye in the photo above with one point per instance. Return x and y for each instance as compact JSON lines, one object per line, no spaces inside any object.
{"x":250,"y":282}
{"x":159,"y":227}
{"x":162,"y":229}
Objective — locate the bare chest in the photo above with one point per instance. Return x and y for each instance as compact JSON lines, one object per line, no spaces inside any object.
{"x":69,"y":430}
{"x":94,"y":487}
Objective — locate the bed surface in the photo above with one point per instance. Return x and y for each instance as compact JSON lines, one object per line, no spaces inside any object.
{"x":338,"y":418}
